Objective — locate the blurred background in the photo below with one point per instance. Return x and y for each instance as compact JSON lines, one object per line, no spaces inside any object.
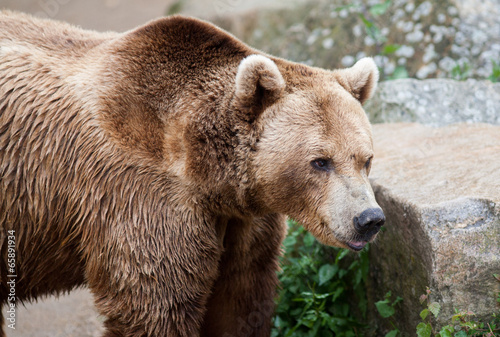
{"x":121,"y":15}
{"x":410,"y":38}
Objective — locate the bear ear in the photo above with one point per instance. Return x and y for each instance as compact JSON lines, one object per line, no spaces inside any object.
{"x":258,"y":81}
{"x":361,"y":79}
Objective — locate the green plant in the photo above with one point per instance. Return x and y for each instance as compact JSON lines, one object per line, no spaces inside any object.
{"x":399,"y":72}
{"x":495,"y":73}
{"x":424,"y":328}
{"x":175,"y":8}
{"x":323,"y":294}
{"x":368,"y":16}
{"x":461,"y":71}
{"x":386,"y":309}
{"x":462,"y":322}
{"x":318,"y":285}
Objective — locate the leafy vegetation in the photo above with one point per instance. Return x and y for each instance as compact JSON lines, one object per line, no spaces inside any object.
{"x":323,"y":294}
{"x":386,"y":309}
{"x":462,"y":322}
{"x":319,"y":284}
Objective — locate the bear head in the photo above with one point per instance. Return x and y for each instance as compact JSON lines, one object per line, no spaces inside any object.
{"x":313,"y":149}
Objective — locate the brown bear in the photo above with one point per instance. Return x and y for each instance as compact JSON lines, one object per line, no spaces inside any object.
{"x":157,"y":167}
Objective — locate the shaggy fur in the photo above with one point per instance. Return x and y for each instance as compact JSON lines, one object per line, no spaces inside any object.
{"x":157,"y":167}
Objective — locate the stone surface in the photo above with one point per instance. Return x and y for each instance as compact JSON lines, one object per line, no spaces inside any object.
{"x":415,"y":38}
{"x":435,"y":102}
{"x":440,"y":190}
{"x":459,"y":38}
{"x":71,"y":315}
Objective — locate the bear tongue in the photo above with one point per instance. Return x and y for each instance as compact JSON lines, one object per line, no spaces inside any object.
{"x":357,"y":245}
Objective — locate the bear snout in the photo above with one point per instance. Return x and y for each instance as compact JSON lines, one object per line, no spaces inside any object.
{"x":368,"y":223}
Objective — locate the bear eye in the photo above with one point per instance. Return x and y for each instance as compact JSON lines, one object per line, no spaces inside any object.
{"x":368,"y":163}
{"x":322,"y":164}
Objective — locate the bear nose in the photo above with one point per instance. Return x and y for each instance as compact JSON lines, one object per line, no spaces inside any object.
{"x":370,"y":219}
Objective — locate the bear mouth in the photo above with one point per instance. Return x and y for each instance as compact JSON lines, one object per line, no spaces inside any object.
{"x":360,"y":240}
{"x":356,"y":245}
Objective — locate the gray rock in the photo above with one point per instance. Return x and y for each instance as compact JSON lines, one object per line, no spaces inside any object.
{"x":440,"y":190}
{"x":436,"y":102}
{"x":450,"y":38}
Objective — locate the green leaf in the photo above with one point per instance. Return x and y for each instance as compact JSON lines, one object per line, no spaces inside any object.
{"x":327,"y":272}
{"x":424,"y":330}
{"x":424,"y":313}
{"x":278,"y":322}
{"x":446,"y":331}
{"x":392,"y":333}
{"x":314,"y":330}
{"x":461,"y":71}
{"x":457,"y":317}
{"x":293,"y":288}
{"x":385,"y":310}
{"x":341,"y":254}
{"x":337,"y":293}
{"x":322,"y":296}
{"x":390,"y":49}
{"x":461,"y":333}
{"x":358,"y":277}
{"x":368,"y":24}
{"x":435,"y":307}
{"x":309,"y":240}
{"x":176,"y":7}
{"x":399,"y":72}
{"x":380,"y":9}
{"x":372,"y":30}
{"x":289,"y":241}
{"x":340,"y":8}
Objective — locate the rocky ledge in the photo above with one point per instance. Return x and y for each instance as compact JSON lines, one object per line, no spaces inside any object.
{"x":436,"y":102}
{"x":440,"y":190}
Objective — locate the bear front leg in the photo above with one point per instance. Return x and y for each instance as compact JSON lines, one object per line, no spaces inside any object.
{"x":242,"y":302}
{"x":154,"y":278}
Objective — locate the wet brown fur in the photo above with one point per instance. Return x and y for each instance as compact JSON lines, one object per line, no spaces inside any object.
{"x":128,"y":164}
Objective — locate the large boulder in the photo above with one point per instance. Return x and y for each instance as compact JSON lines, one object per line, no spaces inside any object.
{"x":440,"y":190}
{"x":436,"y":102}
